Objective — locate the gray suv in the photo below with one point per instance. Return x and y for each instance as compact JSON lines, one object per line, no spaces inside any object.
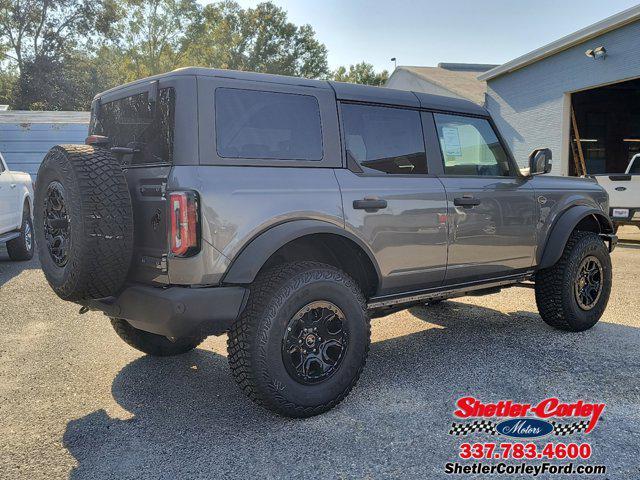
{"x":287,"y":212}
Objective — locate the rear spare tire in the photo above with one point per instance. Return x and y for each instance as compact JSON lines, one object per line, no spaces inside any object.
{"x":83,"y":222}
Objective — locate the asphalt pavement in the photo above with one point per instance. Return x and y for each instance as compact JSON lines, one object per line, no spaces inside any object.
{"x":76,"y":401}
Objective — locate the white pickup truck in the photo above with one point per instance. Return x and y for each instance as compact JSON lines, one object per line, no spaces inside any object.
{"x":16,"y":207}
{"x":624,"y":193}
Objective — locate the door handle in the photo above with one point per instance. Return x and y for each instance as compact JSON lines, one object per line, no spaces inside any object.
{"x":369,"y":204}
{"x":466,"y":201}
{"x":13,"y":185}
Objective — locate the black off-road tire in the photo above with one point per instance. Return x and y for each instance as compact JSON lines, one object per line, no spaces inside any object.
{"x":100,"y":235}
{"x":555,"y":286}
{"x":21,"y":248}
{"x":153,"y":344}
{"x":256,"y":339}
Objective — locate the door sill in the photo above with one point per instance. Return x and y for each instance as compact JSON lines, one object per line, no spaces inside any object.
{"x":448,"y":291}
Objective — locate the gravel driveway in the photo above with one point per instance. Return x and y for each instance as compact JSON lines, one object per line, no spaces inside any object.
{"x":76,"y":401}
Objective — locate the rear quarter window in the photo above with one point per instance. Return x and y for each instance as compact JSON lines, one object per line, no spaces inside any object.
{"x":256,"y":124}
{"x":135,"y":122}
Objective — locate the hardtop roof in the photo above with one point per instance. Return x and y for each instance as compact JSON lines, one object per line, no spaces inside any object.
{"x":343,"y":91}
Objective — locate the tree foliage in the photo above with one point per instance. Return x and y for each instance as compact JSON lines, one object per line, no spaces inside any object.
{"x":32,"y":29}
{"x":57,"y":54}
{"x":259,"y":39}
{"x":152,"y":38}
{"x":363,"y":73}
{"x":39,"y":37}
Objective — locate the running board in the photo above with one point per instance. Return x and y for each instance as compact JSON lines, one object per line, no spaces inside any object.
{"x":5,"y":237}
{"x":446,"y":292}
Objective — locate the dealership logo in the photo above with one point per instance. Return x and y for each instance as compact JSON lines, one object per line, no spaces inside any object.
{"x":525,"y":420}
{"x":524,"y":428}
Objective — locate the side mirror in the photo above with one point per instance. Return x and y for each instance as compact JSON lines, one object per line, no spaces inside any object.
{"x":540,"y":161}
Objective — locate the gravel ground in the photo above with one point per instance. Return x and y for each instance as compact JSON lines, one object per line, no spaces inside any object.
{"x":76,"y":401}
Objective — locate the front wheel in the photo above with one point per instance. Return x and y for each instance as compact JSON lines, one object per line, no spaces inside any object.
{"x":302,"y":341}
{"x":21,"y":248}
{"x":573,"y":294}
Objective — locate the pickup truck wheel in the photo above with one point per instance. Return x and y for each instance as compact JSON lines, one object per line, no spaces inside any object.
{"x":21,"y":248}
{"x":153,"y":344}
{"x":302,"y":341}
{"x":83,"y":222}
{"x":572,"y":294}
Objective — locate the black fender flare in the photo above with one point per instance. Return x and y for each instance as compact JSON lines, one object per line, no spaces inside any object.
{"x":562,"y":228}
{"x":246,"y":265}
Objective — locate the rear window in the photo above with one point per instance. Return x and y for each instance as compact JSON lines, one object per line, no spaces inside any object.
{"x":133,"y":122}
{"x":267,"y":125}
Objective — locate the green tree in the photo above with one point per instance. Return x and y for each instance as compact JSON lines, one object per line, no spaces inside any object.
{"x":38,"y":37}
{"x":152,"y":39}
{"x":7,"y":84}
{"x":66,"y":82}
{"x":363,"y":73}
{"x":257,"y":39}
{"x":31,"y":29}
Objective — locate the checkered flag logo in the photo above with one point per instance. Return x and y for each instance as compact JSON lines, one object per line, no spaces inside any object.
{"x":562,"y":429}
{"x":477,"y":426}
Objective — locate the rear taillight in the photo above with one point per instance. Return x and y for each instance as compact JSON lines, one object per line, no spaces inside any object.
{"x":97,"y":140}
{"x":183,"y":210}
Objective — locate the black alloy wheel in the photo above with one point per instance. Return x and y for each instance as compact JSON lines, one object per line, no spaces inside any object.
{"x":588,"y":283}
{"x":315,"y":342}
{"x":56,"y":224}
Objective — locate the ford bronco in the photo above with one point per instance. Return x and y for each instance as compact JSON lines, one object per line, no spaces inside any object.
{"x":287,"y":212}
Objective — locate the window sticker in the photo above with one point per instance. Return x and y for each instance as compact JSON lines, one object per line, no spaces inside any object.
{"x":451,"y":141}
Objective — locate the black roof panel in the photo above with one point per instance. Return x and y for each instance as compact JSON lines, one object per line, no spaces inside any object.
{"x":344,"y":91}
{"x":449,"y":104}
{"x":367,"y":93}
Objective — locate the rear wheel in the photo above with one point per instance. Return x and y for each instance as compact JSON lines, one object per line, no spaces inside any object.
{"x":153,"y":344}
{"x":573,"y":294}
{"x":302,"y":341}
{"x":21,"y":248}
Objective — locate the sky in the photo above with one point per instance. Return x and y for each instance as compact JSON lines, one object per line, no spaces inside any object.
{"x":424,"y":33}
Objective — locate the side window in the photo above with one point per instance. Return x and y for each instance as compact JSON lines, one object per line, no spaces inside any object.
{"x":384,"y":139}
{"x":267,"y":125}
{"x":134,"y":122}
{"x":470,"y":147}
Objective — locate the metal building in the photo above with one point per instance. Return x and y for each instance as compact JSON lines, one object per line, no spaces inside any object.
{"x":594,"y":72}
{"x":26,"y":137}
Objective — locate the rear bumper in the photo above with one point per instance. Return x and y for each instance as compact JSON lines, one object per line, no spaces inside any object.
{"x":632,"y":217}
{"x":176,"y":311}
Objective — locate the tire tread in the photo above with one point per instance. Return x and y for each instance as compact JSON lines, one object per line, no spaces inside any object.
{"x":244,"y":333}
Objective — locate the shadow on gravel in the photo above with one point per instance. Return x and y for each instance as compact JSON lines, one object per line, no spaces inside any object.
{"x":10,"y":269}
{"x":189,"y":420}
